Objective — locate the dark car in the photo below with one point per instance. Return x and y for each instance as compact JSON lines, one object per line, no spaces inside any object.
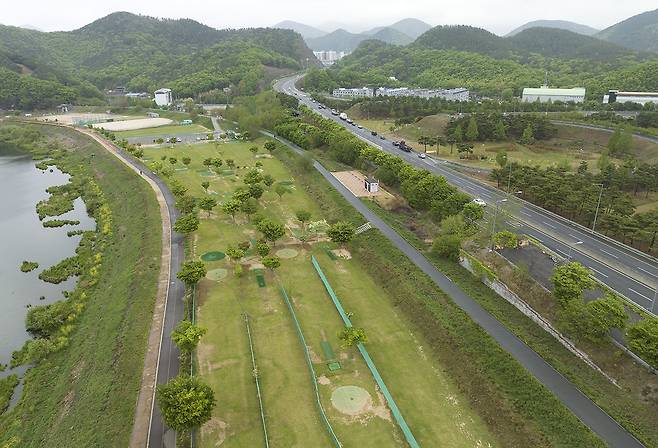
{"x":396,"y":143}
{"x":373,"y":132}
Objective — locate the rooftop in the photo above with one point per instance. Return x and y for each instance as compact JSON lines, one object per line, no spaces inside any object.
{"x":576,"y":91}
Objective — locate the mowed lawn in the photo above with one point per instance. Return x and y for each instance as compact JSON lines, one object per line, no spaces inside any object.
{"x":429,"y":401}
{"x":174,"y":129}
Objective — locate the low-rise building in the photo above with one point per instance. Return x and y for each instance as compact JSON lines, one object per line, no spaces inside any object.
{"x":362,"y":92}
{"x":163,"y":97}
{"x":545,"y":94}
{"x":371,"y":184}
{"x":615,"y":96}
{"x":457,"y":94}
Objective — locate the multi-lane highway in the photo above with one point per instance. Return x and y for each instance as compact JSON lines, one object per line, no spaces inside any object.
{"x":631,"y":273}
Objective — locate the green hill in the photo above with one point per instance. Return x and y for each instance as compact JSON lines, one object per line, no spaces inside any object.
{"x":342,"y":40}
{"x":144,"y":53}
{"x":639,"y":32}
{"x":465,"y":38}
{"x":563,"y":44}
{"x":558,"y":24}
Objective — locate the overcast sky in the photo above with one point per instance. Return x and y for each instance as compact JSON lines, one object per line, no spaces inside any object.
{"x":498,"y":16}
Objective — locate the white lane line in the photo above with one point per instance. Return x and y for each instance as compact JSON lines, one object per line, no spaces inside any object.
{"x":556,"y":250}
{"x":598,"y":272}
{"x":549,"y":225}
{"x":640,"y":294}
{"x":647,"y":272}
{"x":606,"y":252}
{"x":525,"y":213}
{"x":573,"y":236}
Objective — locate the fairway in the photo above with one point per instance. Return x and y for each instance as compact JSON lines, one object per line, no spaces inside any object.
{"x":428,"y":399}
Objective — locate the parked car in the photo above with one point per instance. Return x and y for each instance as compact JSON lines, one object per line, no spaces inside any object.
{"x":479,"y":202}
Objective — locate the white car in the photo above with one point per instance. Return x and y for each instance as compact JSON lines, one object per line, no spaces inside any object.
{"x":422,"y":155}
{"x":479,"y":202}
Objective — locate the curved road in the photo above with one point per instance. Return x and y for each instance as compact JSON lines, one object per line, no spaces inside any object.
{"x":586,"y":410}
{"x":167,"y":367}
{"x":631,"y":273}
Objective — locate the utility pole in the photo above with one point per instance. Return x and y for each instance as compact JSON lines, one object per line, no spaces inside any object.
{"x":598,"y":204}
{"x":493,"y":226}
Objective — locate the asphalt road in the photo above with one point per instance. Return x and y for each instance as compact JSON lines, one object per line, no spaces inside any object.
{"x":159,"y":435}
{"x":586,"y":410}
{"x":629,"y":272}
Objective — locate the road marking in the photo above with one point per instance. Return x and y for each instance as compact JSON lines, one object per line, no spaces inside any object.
{"x":572,"y":235}
{"x":556,"y":250}
{"x":606,"y":252}
{"x":525,"y":213}
{"x":640,"y":294}
{"x":645,"y":271}
{"x":549,"y":225}
{"x":598,"y":272}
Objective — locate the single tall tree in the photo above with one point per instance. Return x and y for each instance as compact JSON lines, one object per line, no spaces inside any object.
{"x":185,"y":403}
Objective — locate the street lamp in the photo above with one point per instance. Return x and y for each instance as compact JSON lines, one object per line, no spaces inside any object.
{"x":571,"y":249}
{"x":598,"y":204}
{"x":493,"y":226}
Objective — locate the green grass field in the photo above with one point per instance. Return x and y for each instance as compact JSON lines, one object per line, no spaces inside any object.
{"x":85,"y":395}
{"x":170,"y":130}
{"x":431,"y":403}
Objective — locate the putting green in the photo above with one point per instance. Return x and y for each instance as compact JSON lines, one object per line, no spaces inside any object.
{"x":217,"y":274}
{"x":213,"y":256}
{"x":286,"y":182}
{"x":351,"y":400}
{"x":286,"y":253}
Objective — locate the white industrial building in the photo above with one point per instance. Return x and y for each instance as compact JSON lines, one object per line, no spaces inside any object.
{"x":163,"y":97}
{"x":544,"y":94}
{"x":362,"y":92}
{"x":615,"y":96}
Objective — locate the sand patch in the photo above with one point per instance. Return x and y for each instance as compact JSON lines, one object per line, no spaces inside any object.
{"x":215,"y":429}
{"x":324,"y":380}
{"x":131,"y":125}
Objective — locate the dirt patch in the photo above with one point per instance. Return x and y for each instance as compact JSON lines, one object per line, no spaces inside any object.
{"x":324,"y":380}
{"x":354,"y":181}
{"x":216,"y":429}
{"x":314,"y":356}
{"x":342,"y":253}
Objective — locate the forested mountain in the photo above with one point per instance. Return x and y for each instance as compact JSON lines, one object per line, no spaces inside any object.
{"x":547,"y":42}
{"x":144,"y":53}
{"x":558,"y":24}
{"x":307,"y":31}
{"x":639,"y":32}
{"x":465,"y":38}
{"x":555,"y":43}
{"x":409,"y":27}
{"x":342,"y":40}
{"x":374,"y":62}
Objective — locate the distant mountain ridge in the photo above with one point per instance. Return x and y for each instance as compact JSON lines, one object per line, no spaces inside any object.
{"x":559,"y":24}
{"x":639,"y":32}
{"x":307,"y":31}
{"x":402,"y":32}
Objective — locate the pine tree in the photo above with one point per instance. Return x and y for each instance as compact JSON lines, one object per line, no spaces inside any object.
{"x":459,"y":134}
{"x":472,"y":130}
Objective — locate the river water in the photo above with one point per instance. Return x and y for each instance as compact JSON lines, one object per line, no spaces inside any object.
{"x":22,"y":237}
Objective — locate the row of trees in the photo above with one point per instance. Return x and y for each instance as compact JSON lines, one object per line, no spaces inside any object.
{"x":498,"y":127}
{"x":575,"y":195}
{"x":423,"y":190}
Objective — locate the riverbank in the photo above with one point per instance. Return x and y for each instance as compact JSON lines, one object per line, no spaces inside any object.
{"x":85,"y":393}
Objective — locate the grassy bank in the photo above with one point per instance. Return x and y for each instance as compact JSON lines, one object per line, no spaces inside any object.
{"x":634,"y":404}
{"x":517,"y":409}
{"x":85,"y":394}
